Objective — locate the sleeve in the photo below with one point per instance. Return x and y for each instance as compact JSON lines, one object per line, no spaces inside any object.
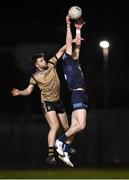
{"x":66,"y":55}
{"x":32,"y":80}
{"x":52,"y":61}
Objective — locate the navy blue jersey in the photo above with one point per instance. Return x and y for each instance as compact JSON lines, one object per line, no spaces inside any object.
{"x":72,"y":72}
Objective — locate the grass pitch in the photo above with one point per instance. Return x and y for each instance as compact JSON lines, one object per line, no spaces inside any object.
{"x":67,"y":173}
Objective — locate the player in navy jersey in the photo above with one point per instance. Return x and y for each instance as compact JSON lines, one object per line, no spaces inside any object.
{"x":76,"y":83}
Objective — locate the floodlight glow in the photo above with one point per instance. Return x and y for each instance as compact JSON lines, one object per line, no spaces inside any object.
{"x":104,"y":44}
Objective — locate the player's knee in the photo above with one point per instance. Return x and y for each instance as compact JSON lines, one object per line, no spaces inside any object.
{"x":66,"y":127}
{"x":82,"y":126}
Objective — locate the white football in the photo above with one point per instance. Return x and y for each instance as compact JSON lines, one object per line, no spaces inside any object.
{"x":75,"y":12}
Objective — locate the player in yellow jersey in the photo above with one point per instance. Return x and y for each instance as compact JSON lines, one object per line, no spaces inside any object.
{"x":47,"y":79}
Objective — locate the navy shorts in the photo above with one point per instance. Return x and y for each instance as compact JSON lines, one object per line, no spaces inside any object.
{"x":56,"y":106}
{"x":79,"y":100}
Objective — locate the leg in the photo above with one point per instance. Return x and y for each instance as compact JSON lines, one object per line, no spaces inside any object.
{"x":52,"y":120}
{"x":64,"y":148}
{"x":64,"y":122}
{"x":78,"y":122}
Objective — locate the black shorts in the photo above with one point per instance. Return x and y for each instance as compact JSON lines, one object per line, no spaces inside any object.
{"x":56,"y":106}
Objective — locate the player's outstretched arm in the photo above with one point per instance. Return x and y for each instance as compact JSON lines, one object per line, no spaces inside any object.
{"x":68,"y":36}
{"x":61,"y":51}
{"x":79,"y":24}
{"x":64,"y":48}
{"x":25,"y":92}
{"x":78,"y":39}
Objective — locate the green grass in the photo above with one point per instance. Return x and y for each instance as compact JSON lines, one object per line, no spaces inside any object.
{"x":66,"y":173}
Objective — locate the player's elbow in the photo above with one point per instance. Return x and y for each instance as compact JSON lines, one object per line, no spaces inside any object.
{"x":28,"y":92}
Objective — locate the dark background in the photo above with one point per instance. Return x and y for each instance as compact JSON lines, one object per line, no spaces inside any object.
{"x":38,"y":26}
{"x":29,"y":27}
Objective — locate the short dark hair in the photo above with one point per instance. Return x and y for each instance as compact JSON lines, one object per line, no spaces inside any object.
{"x":34,"y":58}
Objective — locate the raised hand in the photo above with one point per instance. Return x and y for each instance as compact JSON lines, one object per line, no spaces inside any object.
{"x":68,"y":20}
{"x":79,"y":23}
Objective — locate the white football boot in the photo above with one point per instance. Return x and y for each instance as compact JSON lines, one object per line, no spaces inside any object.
{"x":66,"y":159}
{"x":59,"y":147}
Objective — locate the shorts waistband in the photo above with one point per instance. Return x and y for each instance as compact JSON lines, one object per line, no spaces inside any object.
{"x":79,"y":89}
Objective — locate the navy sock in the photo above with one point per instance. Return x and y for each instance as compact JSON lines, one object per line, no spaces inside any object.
{"x":63,"y":137}
{"x":66,"y":147}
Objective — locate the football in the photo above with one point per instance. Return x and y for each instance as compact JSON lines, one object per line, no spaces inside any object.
{"x":75,"y":12}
